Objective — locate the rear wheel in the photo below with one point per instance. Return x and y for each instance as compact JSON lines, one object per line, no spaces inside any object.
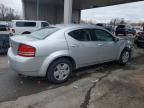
{"x":125,"y":57}
{"x":59,"y":71}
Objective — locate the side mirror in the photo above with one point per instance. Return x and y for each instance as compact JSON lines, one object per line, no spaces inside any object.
{"x":116,"y":39}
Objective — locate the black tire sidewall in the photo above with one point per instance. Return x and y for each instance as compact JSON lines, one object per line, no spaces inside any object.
{"x":50,"y":71}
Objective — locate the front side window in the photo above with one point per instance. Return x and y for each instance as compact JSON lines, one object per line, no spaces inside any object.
{"x":26,"y":24}
{"x":80,"y":35}
{"x":44,"y":24}
{"x":102,"y":35}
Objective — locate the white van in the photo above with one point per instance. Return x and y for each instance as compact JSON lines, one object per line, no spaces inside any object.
{"x":26,"y":26}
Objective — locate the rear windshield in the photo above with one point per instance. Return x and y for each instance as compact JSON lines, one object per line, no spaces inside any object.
{"x":121,"y":26}
{"x":43,"y":33}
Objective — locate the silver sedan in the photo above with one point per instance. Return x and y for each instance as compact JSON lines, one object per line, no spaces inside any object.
{"x":56,"y":51}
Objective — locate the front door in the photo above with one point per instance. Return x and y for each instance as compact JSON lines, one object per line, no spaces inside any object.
{"x":107,"y":46}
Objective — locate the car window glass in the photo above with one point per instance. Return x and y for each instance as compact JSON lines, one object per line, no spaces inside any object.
{"x":43,"y":33}
{"x":26,"y":24}
{"x":80,"y":35}
{"x":102,"y":35}
{"x":44,"y":24}
{"x":93,"y":35}
{"x":3,"y":28}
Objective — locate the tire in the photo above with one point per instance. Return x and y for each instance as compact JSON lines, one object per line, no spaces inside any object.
{"x":139,"y":46}
{"x":57,"y":74}
{"x":124,"y":57}
{"x":26,"y":32}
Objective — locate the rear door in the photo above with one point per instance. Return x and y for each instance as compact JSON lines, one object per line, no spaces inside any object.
{"x":81,"y":47}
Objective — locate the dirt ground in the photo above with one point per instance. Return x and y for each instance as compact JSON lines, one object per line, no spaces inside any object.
{"x":107,"y":85}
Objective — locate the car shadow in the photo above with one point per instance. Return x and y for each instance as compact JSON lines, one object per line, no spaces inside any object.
{"x":77,"y":74}
{"x":18,"y":86}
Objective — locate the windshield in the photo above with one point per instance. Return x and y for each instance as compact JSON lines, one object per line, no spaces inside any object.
{"x":43,"y":33}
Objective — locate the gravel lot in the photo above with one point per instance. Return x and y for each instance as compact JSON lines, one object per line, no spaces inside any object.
{"x":101,"y":86}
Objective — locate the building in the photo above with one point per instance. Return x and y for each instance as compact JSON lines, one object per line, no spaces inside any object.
{"x":59,"y":11}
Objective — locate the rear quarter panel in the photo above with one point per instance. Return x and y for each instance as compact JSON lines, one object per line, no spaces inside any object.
{"x":51,"y":48}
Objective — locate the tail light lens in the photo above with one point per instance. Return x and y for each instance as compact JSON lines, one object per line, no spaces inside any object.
{"x":26,"y":50}
{"x":13,"y":30}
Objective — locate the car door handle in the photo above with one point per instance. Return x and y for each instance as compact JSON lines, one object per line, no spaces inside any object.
{"x":74,"y":45}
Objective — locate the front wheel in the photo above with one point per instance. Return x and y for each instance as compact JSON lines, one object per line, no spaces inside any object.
{"x":59,"y":71}
{"x":125,"y":57}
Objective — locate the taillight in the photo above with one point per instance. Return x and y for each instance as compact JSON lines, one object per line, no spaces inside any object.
{"x":26,"y":50}
{"x":13,"y":30}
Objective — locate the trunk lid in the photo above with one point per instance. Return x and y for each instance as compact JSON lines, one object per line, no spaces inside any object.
{"x":15,"y":41}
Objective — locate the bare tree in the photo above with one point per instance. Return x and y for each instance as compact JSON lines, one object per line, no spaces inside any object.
{"x":117,"y":21}
{"x":3,"y":11}
{"x":122,"y":21}
{"x":10,"y":14}
{"x":7,"y":14}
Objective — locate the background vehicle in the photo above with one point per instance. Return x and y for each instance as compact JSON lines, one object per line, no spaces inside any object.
{"x":4,"y":29}
{"x":56,"y":51}
{"x":125,"y":30}
{"x":26,"y":26}
{"x":106,"y":26}
{"x":4,"y":38}
{"x":139,"y":39}
{"x":138,"y":29}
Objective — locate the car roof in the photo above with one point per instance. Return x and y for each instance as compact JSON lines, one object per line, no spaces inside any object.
{"x":28,"y":21}
{"x":71,"y":26}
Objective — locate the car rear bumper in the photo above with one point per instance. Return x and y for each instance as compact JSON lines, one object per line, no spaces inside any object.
{"x":25,"y":66}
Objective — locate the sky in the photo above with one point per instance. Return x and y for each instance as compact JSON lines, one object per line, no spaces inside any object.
{"x":15,"y":4}
{"x":131,"y":11}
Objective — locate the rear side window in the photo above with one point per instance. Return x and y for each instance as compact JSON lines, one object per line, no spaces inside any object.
{"x":44,"y":24}
{"x":3,"y":28}
{"x":25,"y":24}
{"x":43,"y":33}
{"x":80,"y":35}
